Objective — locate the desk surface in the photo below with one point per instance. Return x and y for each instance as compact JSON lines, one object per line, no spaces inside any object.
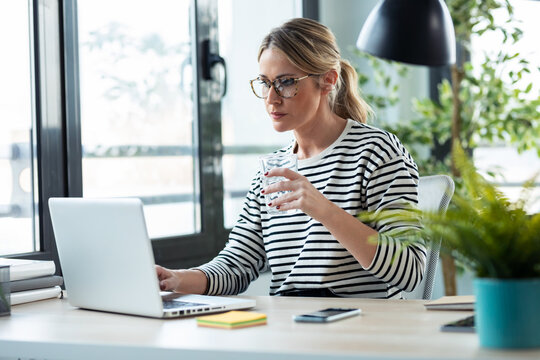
{"x":387,"y":329}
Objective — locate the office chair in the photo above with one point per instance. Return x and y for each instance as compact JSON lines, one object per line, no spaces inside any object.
{"x":434,"y":194}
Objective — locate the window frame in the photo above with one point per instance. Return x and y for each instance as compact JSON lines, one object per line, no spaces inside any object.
{"x":56,"y":97}
{"x":175,"y":251}
{"x":45,"y":44}
{"x":57,"y":119}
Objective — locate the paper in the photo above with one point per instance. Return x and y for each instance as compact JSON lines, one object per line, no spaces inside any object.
{"x":232,"y":320}
{"x":462,"y":302}
{"x":20,"y":269}
{"x":22,"y":297}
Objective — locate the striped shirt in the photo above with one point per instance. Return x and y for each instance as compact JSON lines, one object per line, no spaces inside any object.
{"x":365,"y":169}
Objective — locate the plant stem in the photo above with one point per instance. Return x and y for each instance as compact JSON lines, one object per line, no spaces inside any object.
{"x":449,"y":275}
{"x":448,"y":264}
{"x":457,"y":77}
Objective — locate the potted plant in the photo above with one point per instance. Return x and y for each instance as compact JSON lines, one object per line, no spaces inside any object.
{"x":500,"y":243}
{"x":490,"y":100}
{"x":5,"y":305}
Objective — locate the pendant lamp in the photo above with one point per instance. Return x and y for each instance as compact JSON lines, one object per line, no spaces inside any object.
{"x":417,"y":32}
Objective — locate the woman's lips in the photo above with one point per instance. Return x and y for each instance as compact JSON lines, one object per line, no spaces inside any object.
{"x":277,"y":115}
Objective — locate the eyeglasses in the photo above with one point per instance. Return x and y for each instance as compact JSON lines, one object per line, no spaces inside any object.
{"x":284,"y":87}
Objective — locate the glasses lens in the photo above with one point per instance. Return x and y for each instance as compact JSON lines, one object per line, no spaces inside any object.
{"x":260,"y":88}
{"x":287,"y":87}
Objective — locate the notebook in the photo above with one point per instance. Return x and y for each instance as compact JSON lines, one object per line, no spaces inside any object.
{"x":461,"y":302}
{"x":108,"y":263}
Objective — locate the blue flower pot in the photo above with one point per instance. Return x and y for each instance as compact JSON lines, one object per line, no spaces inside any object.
{"x":507,"y":312}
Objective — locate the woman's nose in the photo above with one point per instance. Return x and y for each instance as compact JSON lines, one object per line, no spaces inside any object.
{"x":273,"y":97}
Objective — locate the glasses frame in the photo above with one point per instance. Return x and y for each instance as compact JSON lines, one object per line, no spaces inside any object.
{"x":273,"y":84}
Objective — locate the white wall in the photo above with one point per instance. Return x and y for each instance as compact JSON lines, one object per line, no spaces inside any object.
{"x":345,"y":18}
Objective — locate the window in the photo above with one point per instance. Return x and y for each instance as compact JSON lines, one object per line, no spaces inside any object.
{"x":148,"y":118}
{"x":17,"y":136}
{"x":514,"y":168}
{"x":122,"y":105}
{"x":107,"y":83}
{"x":247,"y":131}
{"x":137,"y":109}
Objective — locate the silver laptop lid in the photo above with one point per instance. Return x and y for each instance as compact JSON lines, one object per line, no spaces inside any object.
{"x":106,"y":256}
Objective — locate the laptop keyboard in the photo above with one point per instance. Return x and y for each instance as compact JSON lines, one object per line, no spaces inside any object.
{"x":176,"y":304}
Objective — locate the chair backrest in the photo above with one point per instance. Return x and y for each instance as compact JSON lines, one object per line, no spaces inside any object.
{"x":434,"y":194}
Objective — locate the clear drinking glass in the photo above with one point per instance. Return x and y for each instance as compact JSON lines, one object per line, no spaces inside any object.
{"x":270,"y":162}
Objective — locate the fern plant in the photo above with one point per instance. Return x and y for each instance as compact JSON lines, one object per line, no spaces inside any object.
{"x":487,"y":233}
{"x":491,"y":235}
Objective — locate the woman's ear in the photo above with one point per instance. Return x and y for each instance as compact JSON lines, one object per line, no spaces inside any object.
{"x":328,"y":81}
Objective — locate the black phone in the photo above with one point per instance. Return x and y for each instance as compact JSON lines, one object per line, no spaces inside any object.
{"x":461,"y":325}
{"x":327,"y":315}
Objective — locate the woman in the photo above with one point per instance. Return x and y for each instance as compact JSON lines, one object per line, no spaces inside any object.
{"x":344,"y":167}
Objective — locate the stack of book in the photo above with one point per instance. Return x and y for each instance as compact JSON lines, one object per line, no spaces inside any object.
{"x":32,"y":280}
{"x":461,"y":302}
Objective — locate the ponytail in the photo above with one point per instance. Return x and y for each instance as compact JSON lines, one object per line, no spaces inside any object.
{"x":347,"y":102}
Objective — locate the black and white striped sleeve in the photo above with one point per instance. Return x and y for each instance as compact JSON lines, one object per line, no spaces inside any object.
{"x":401,"y":255}
{"x":240,"y":262}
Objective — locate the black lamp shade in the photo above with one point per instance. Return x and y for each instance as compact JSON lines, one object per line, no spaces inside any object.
{"x":417,"y":32}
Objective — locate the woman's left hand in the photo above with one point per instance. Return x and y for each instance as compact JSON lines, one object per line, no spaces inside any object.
{"x":301,"y":194}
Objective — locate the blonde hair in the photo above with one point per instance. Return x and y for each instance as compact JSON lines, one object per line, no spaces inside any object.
{"x":312,"y":47}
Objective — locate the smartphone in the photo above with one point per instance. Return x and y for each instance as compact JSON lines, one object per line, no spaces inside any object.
{"x":327,"y":315}
{"x":461,"y":325}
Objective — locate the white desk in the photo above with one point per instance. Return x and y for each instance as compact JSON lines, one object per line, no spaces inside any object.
{"x":52,"y":329}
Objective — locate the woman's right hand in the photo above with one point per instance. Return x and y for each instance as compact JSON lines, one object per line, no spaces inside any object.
{"x":168,"y":279}
{"x":190,"y":281}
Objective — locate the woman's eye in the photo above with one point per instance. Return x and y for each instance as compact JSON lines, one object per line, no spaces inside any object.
{"x":264,"y":83}
{"x":287,"y":82}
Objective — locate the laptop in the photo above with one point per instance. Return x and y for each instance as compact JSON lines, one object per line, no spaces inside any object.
{"x":108,"y":263}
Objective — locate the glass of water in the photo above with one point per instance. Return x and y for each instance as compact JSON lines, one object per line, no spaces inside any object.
{"x":270,"y":162}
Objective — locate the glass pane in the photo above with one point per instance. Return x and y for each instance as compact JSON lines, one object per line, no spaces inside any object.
{"x":17,"y":181}
{"x":490,"y":43}
{"x":512,"y":168}
{"x":241,"y":30}
{"x":137,"y":109}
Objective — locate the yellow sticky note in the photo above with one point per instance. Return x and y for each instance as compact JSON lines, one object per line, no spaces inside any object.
{"x":232,"y":319}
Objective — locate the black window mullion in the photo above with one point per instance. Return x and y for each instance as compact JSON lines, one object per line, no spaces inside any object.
{"x":191,"y":250}
{"x":73,"y":148}
{"x":310,"y":9}
{"x":48,"y":119}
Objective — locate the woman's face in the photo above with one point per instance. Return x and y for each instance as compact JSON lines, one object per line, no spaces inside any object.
{"x":295,"y":112}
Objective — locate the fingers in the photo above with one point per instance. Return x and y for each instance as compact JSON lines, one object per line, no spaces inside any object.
{"x":283,"y":205}
{"x":300,"y":194}
{"x":164,"y":285}
{"x":290,"y":185}
{"x":164,"y":276}
{"x":285,"y":172}
{"x":161,"y":272}
{"x":286,"y":198}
